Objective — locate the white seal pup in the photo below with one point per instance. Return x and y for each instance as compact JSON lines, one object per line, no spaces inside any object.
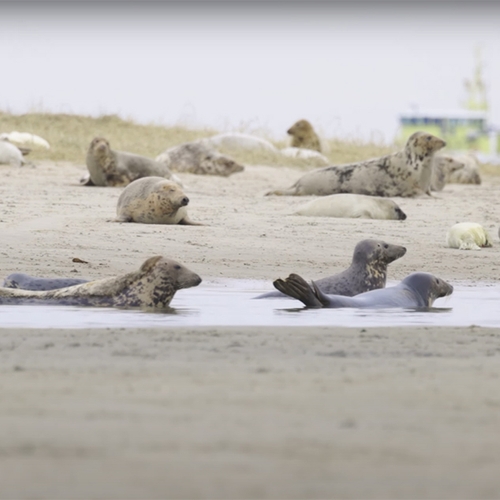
{"x":469,"y":174}
{"x":368,"y":270}
{"x":304,"y":136}
{"x":200,"y":158}
{"x":347,"y":205}
{"x":151,"y":287}
{"x":238,"y":141}
{"x":153,"y":200}
{"x":406,"y":173}
{"x":305,"y":154}
{"x":416,"y":291}
{"x":467,"y":236}
{"x":108,"y":167}
{"x":25,"y":138}
{"x":10,"y":154}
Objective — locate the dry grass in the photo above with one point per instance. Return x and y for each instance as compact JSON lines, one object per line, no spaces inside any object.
{"x":70,"y":135}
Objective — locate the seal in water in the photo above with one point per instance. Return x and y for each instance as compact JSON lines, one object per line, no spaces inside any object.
{"x":25,"y":282}
{"x":418,"y":290}
{"x":153,"y":200}
{"x":118,"y":168}
{"x":368,"y":270}
{"x":151,"y":287}
{"x":406,"y":173}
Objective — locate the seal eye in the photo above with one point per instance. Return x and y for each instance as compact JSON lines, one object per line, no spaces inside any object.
{"x":386,"y":246}
{"x":177,"y":267}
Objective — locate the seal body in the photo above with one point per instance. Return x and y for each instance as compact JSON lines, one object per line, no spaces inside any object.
{"x":151,"y":287}
{"x":368,"y":270}
{"x":346,"y":205}
{"x":467,"y":236}
{"x":406,"y":173}
{"x":25,"y":282}
{"x":10,"y":154}
{"x":199,"y":158}
{"x":153,"y":200}
{"x":443,"y":166}
{"x":238,"y":141}
{"x":469,"y":174}
{"x":117,"y":168}
{"x":305,"y":154}
{"x":25,"y":138}
{"x":418,"y":290}
{"x":304,"y":136}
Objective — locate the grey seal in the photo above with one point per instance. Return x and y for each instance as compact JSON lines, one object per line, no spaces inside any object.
{"x":26,"y":282}
{"x":108,"y":167}
{"x":151,"y":287}
{"x":417,"y":290}
{"x":405,"y":173}
{"x":304,"y":136}
{"x":153,"y":200}
{"x":368,"y":270}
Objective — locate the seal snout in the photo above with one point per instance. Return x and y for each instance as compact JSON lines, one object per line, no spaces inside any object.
{"x":184,"y":201}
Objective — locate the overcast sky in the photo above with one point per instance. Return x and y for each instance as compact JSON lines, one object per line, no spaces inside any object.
{"x":350,"y":68}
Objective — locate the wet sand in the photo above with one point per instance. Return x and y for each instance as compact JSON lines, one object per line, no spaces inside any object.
{"x":243,"y":412}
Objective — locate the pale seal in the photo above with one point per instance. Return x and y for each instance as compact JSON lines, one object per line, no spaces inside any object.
{"x":406,"y":173}
{"x":368,"y":270}
{"x":237,"y":141}
{"x":443,"y":167}
{"x":347,"y":205}
{"x":467,"y":236}
{"x":20,"y":280}
{"x":151,"y":287}
{"x":108,"y":167}
{"x":469,"y":174}
{"x":305,"y":154}
{"x":10,"y":154}
{"x":198,"y":158}
{"x":25,"y":138}
{"x":153,"y":200}
{"x":304,"y":136}
{"x":416,"y":291}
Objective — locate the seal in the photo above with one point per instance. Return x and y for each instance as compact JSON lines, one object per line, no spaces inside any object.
{"x":443,"y":167}
{"x":346,"y":205}
{"x":153,"y":200}
{"x":25,"y":282}
{"x":237,"y":141}
{"x":10,"y":154}
{"x":200,"y":158}
{"x":117,"y":168}
{"x":467,"y":236}
{"x":416,"y":291}
{"x":469,"y":174}
{"x":405,"y":173}
{"x":151,"y":287}
{"x":305,"y":154}
{"x":368,"y":270}
{"x":25,"y":138}
{"x":304,"y":136}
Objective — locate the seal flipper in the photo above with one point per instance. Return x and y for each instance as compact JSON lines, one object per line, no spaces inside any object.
{"x":86,"y":181}
{"x":297,"y":287}
{"x":188,"y":222}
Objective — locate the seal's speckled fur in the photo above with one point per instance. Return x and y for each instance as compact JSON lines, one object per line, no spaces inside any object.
{"x":151,"y":287}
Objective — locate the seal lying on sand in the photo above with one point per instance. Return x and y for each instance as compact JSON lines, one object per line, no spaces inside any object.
{"x":152,"y":287}
{"x":368,"y":270}
{"x":199,"y":158}
{"x":406,"y":173}
{"x":153,"y":200}
{"x":346,"y":205}
{"x":418,"y":290}
{"x":25,"y":282}
{"x":467,"y":236}
{"x":117,"y":168}
{"x":10,"y":154}
{"x":237,"y":141}
{"x":304,"y":136}
{"x":443,"y":166}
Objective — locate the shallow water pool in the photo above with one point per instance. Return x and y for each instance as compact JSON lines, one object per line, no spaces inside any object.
{"x":229,"y":302}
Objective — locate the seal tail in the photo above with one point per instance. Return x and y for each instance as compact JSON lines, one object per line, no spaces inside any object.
{"x":297,"y":287}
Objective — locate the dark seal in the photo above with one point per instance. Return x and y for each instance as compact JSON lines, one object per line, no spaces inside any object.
{"x":25,"y":282}
{"x":416,"y":291}
{"x":368,"y":270}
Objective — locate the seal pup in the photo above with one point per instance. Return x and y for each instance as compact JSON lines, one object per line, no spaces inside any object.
{"x":153,"y":200}
{"x":151,"y":287}
{"x":238,"y":141}
{"x":467,"y":236}
{"x":417,"y":290}
{"x":469,"y":174}
{"x":304,"y":136}
{"x":25,"y":138}
{"x":368,"y":270}
{"x":347,"y":205}
{"x":25,"y":282}
{"x":443,"y":166}
{"x":305,"y":154}
{"x":108,"y":167}
{"x":10,"y":154}
{"x":406,"y":173}
{"x":200,"y":158}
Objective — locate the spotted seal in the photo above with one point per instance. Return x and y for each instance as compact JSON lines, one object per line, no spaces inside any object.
{"x":418,"y":290}
{"x":345,"y":205}
{"x":368,"y":270}
{"x":153,"y":200}
{"x":467,"y":236}
{"x":406,"y":173}
{"x":108,"y":167}
{"x":20,"y":280}
{"x":304,"y":136}
{"x":151,"y":287}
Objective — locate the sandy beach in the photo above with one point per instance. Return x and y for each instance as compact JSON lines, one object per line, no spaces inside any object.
{"x":243,"y":412}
